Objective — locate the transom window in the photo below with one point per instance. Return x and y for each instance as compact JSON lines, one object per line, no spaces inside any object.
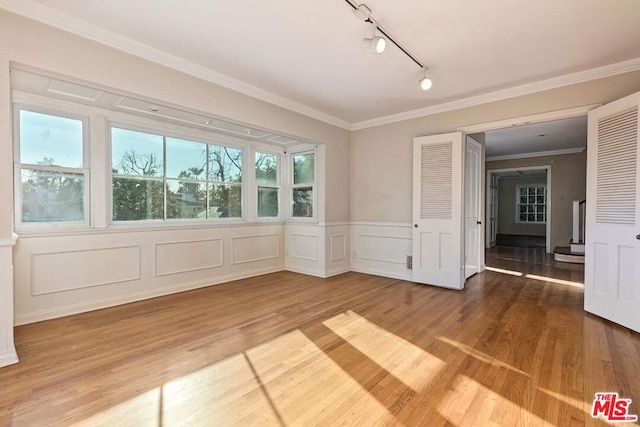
{"x":532,"y":203}
{"x":156,"y":177}
{"x":51,"y":166}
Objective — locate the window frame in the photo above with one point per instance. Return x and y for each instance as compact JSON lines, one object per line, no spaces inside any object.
{"x":279,"y":167}
{"x":292,"y":186}
{"x":165,"y":133}
{"x":518,"y":204}
{"x":18,"y":166}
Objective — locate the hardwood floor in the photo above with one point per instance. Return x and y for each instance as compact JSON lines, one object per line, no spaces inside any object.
{"x":515,"y":348}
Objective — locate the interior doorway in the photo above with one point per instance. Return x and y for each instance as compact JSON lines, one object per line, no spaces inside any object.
{"x":518,"y":207}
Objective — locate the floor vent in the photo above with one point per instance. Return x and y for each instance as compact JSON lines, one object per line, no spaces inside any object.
{"x":409,"y":262}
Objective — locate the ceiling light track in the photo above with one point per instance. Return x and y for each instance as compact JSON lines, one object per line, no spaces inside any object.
{"x":364,"y":13}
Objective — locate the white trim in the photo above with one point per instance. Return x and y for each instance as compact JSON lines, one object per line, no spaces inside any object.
{"x":524,"y":168}
{"x":8,"y":357}
{"x":8,"y":241}
{"x":388,"y":274}
{"x":566,"y":113}
{"x":50,"y":16}
{"x":526,"y":89}
{"x":537,"y":154}
{"x":381,"y":224}
{"x":69,"y":310}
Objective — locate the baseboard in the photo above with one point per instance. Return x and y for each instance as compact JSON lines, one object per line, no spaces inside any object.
{"x":8,"y":357}
{"x":39,"y":316}
{"x":336,"y":271}
{"x":391,"y":275}
{"x":309,"y":272}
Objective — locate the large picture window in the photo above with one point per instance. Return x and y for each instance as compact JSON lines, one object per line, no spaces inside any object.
{"x":51,"y":168}
{"x":303,"y":184}
{"x":156,"y":177}
{"x":532,"y":204}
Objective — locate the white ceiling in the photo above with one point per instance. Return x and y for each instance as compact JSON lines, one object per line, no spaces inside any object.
{"x":564,"y":135}
{"x":309,"y":52}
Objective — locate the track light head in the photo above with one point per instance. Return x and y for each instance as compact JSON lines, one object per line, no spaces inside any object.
{"x":377,"y":44}
{"x":425,"y":82}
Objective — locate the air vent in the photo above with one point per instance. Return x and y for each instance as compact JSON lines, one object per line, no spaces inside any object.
{"x":409,"y":262}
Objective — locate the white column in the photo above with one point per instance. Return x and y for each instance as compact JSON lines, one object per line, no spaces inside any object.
{"x":8,"y":354}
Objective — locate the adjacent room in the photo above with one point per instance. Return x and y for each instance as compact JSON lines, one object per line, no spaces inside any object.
{"x":333,"y":213}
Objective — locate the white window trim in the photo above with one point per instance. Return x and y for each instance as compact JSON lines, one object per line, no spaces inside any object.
{"x":518,"y":187}
{"x":18,"y":166}
{"x":291,"y":186}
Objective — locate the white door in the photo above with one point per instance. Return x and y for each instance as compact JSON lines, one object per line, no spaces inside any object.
{"x":492,"y":210}
{"x":437,"y":210}
{"x":612,"y":258}
{"x":472,"y":227}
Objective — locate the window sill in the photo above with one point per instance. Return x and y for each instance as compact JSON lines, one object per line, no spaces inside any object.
{"x":140,"y":228}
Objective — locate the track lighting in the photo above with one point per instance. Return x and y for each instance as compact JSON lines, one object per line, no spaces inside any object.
{"x":375,"y":43}
{"x":425,"y":82}
{"x":378,"y":43}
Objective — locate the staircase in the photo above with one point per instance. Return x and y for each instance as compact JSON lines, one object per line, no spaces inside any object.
{"x":575,"y":252}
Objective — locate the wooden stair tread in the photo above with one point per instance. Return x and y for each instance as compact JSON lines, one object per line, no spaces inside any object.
{"x":566,"y":250}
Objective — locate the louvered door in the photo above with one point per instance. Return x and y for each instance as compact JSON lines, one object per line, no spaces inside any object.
{"x":438,"y":250}
{"x":612,"y":259}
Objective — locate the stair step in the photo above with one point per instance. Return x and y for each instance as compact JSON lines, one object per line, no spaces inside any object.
{"x":565,"y":254}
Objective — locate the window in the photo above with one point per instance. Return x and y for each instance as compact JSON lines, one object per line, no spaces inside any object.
{"x":532,"y":203}
{"x":268,"y":185}
{"x":302,"y":185}
{"x":156,"y":177}
{"x":51,"y":166}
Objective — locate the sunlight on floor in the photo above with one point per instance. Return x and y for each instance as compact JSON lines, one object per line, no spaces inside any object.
{"x":480,"y":355}
{"x":503,"y":271}
{"x":410,"y":364}
{"x":554,"y":280}
{"x":142,"y":410}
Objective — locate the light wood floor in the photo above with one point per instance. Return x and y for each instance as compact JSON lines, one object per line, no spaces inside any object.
{"x":286,"y":349}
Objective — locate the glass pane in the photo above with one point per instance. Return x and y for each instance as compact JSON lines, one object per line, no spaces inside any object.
{"x":266,"y":168}
{"x":50,"y":140}
{"x":523,"y":217}
{"x":267,"y":202}
{"x":225,"y":164}
{"x":531,"y":208}
{"x":303,"y":169}
{"x":523,"y":199}
{"x":540,"y":217}
{"x":51,"y":196}
{"x":540,"y":191}
{"x":186,"y":159}
{"x":136,"y":153}
{"x":540,"y":200}
{"x":540,"y":209}
{"x":186,"y":199}
{"x":137,"y":199}
{"x":303,"y":202}
{"x":531,"y":218}
{"x":523,"y":208}
{"x":523,"y":191}
{"x":225,"y":201}
{"x":532,"y":199}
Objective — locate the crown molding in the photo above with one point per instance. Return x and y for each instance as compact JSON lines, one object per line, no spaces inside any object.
{"x":526,"y":89}
{"x":537,"y":154}
{"x":49,"y":16}
{"x":38,"y":12}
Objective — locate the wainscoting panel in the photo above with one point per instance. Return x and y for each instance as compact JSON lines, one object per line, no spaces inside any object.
{"x":304,"y":246}
{"x":65,"y":271}
{"x":338,"y":247}
{"x":381,"y":249}
{"x":254,"y":248}
{"x":182,"y":257}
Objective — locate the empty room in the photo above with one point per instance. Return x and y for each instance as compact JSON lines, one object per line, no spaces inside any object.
{"x":287,"y":213}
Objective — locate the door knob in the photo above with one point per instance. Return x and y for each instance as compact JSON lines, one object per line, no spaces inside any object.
{"x":415,"y":225}
{"x":638,"y":236}
{"x":479,"y":222}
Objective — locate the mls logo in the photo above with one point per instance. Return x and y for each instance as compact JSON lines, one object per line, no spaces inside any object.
{"x":612,"y":408}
